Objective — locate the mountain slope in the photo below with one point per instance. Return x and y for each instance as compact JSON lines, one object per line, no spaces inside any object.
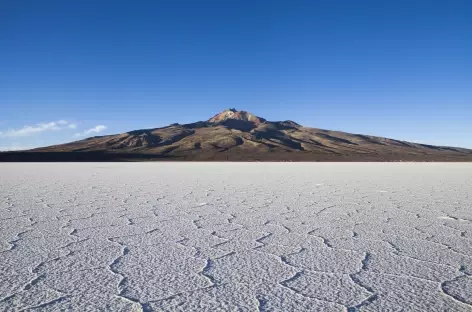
{"x":239,"y":135}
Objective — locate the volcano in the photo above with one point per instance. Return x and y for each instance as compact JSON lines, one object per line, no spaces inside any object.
{"x":233,"y":135}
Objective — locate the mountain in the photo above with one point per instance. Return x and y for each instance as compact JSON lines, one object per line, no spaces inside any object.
{"x":232,"y":114}
{"x":241,"y":136}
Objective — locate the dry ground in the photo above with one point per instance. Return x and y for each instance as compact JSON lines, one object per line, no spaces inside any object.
{"x":236,"y":237}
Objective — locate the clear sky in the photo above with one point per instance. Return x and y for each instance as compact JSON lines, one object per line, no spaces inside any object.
{"x":71,"y":69}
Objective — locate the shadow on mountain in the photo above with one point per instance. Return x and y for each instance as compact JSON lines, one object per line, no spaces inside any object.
{"x":241,"y":125}
{"x":275,"y":136}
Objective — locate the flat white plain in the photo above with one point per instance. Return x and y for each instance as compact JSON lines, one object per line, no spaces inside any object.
{"x":236,"y":237}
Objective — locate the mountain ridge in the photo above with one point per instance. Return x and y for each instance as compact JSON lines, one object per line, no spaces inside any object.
{"x":242,"y":136}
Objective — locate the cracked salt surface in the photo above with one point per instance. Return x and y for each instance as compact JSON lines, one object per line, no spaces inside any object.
{"x":236,"y":237}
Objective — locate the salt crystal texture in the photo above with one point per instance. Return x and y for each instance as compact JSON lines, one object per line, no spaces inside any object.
{"x":236,"y":237}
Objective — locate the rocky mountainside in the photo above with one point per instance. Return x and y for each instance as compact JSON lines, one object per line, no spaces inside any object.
{"x":232,"y":114}
{"x":242,"y":136}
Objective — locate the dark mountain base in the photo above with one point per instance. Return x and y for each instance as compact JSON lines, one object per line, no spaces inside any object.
{"x":77,"y":157}
{"x":222,"y":156}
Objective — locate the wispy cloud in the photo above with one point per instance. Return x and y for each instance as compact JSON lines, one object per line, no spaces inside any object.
{"x":38,"y":128}
{"x":16,"y":147}
{"x":96,"y":129}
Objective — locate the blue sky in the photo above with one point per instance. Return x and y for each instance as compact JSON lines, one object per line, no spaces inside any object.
{"x":72,"y":69}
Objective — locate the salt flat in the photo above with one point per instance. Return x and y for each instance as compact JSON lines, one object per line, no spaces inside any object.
{"x":236,"y":237}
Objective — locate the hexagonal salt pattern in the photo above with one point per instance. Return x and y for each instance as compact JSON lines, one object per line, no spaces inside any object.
{"x":236,"y":237}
